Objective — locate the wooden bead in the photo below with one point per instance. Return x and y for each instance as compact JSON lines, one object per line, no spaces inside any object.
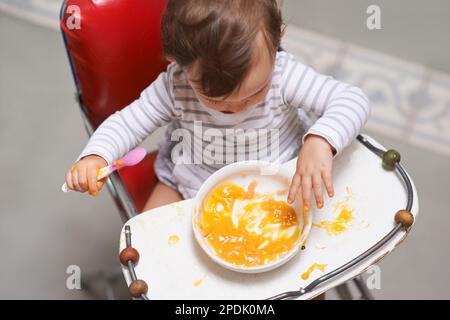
{"x":390,"y":158}
{"x":129,"y":254}
{"x":137,"y":288}
{"x":405,"y":218}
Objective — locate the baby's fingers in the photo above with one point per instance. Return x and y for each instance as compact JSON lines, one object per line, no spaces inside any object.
{"x":92,"y":181}
{"x":306,"y":191}
{"x":75,"y":183}
{"x":100,"y":183}
{"x":69,"y":182}
{"x":295,"y":184}
{"x":317,"y":187}
{"x":328,"y":184}
{"x":82,"y":179}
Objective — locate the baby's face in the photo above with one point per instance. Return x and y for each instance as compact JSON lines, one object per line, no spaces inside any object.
{"x":254,"y":87}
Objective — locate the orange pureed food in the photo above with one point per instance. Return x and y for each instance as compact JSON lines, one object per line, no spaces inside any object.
{"x":246,"y":228}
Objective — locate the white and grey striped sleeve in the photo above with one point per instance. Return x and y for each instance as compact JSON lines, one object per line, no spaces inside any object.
{"x":127,"y":128}
{"x":343,"y":109}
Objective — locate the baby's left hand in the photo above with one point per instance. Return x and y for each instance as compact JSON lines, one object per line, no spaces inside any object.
{"x":314,"y":165}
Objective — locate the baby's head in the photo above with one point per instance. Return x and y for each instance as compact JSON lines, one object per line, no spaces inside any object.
{"x":226,"y":48}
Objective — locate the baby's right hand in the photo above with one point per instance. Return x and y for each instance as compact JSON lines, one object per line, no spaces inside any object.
{"x":82,"y":176}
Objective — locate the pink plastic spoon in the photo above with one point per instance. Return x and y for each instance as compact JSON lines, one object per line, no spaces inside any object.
{"x":130,"y":159}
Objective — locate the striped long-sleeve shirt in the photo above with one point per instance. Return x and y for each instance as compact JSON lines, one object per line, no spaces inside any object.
{"x":200,"y":140}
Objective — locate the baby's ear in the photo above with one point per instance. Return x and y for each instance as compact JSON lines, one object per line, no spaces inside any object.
{"x":283,"y":30}
{"x":170,"y":59}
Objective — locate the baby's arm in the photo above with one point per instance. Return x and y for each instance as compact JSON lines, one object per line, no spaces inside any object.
{"x":343,"y":110}
{"x":121,"y":132}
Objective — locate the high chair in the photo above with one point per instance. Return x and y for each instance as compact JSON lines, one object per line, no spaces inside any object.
{"x":114,"y":50}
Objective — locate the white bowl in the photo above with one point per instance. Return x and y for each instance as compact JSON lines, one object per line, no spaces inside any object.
{"x":240,"y":171}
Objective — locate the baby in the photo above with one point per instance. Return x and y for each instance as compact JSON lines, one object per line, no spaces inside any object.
{"x":227,"y":87}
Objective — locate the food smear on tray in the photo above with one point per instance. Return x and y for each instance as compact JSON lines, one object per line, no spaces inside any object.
{"x":246,"y":228}
{"x":341,"y":223}
{"x":173,"y":239}
{"x":319,"y":266}
{"x":199,"y":281}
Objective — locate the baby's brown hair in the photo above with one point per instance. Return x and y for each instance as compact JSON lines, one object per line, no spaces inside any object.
{"x":220,"y":35}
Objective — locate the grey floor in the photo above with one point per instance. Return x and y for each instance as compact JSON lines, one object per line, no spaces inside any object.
{"x":43,"y":231}
{"x":410,"y":29}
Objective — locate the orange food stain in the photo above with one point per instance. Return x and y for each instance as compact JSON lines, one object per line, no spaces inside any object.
{"x":314,"y":266}
{"x":339,"y":225}
{"x":199,"y":281}
{"x":251,"y":189}
{"x":119,"y":163}
{"x":246,"y":228}
{"x":100,"y":171}
{"x":173,"y":239}
{"x":282,"y":192}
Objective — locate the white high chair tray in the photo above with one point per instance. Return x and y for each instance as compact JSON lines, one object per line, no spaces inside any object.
{"x":181,"y":270}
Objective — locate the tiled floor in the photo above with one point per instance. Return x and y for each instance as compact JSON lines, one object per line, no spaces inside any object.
{"x":43,"y":231}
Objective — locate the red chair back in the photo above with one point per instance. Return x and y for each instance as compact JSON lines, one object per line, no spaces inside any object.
{"x":115,"y":53}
